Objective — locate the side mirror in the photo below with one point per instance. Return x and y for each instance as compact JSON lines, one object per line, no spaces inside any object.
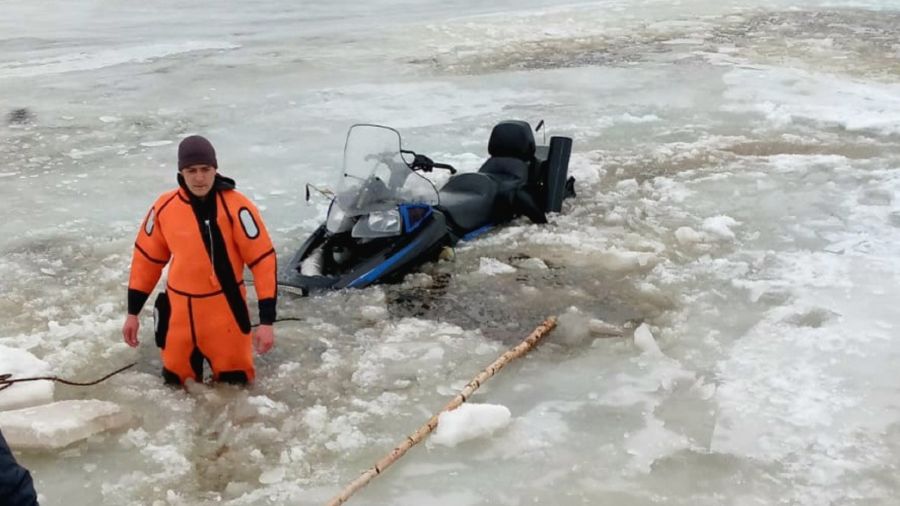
{"x":325,"y":192}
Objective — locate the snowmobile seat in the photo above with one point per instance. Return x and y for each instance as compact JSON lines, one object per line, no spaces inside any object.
{"x":468,"y":201}
{"x":510,"y":173}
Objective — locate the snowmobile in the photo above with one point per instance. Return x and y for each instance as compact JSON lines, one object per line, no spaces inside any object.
{"x":386,"y":219}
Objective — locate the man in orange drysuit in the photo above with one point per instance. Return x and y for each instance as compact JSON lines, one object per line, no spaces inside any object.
{"x":206,"y":232}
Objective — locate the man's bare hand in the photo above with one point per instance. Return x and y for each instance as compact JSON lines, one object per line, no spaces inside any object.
{"x":130,"y":330}
{"x":263,"y":339}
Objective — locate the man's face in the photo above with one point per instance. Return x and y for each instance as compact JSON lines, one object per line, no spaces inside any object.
{"x":199,"y":179}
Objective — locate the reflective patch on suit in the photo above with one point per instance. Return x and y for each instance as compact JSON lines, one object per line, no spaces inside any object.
{"x":248,"y":223}
{"x":151,"y":220}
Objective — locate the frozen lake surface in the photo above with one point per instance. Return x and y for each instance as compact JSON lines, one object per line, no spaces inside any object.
{"x":737,"y":219}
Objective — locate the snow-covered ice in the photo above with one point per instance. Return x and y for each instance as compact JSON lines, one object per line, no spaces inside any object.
{"x":725,"y":277}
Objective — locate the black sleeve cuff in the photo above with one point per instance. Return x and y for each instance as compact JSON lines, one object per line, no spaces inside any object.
{"x":267,"y":311}
{"x":136,"y":300}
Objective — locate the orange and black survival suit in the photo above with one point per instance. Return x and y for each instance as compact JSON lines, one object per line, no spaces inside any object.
{"x":202,"y":315}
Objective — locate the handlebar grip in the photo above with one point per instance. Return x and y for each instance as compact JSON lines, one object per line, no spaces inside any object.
{"x":445,"y":166}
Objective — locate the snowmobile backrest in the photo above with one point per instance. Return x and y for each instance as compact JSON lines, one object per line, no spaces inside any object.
{"x":512,"y":139}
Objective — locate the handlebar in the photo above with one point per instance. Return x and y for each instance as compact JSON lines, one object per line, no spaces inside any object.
{"x":425,"y":164}
{"x":445,"y":166}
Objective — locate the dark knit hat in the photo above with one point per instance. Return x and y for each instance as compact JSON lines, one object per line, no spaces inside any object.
{"x":196,"y":150}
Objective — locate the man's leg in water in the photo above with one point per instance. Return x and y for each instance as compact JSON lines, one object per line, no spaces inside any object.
{"x":229,"y":351}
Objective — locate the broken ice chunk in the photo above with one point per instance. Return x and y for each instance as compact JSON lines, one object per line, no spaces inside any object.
{"x":59,"y":424}
{"x":470,"y":421}
{"x":22,"y":364}
{"x":644,"y":340}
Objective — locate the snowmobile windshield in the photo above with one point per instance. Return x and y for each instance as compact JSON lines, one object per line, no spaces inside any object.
{"x":376,"y":177}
